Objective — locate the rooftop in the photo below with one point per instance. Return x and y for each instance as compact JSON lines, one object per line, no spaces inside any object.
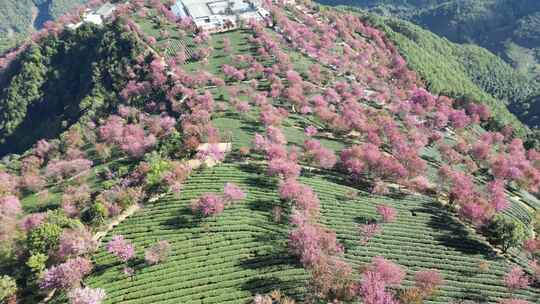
{"x":212,"y":14}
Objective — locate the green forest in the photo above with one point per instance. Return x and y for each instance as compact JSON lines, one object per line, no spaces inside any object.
{"x":57,"y":82}
{"x":19,"y":17}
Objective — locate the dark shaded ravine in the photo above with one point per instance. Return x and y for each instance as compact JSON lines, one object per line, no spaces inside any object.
{"x":43,"y":13}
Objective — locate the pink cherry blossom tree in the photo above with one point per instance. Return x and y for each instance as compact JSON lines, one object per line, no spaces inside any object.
{"x":427,"y":281}
{"x":158,"y":253}
{"x":121,"y":248}
{"x":208,"y":204}
{"x":86,"y":295}
{"x":233,"y":193}
{"x":391,"y":273}
{"x":372,"y":289}
{"x":516,"y":279}
{"x":76,"y":242}
{"x":65,"y":275}
{"x":388,"y":214}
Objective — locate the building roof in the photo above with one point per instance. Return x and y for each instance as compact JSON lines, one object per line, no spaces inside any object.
{"x":210,"y":14}
{"x":106,"y":9}
{"x":93,"y":18}
{"x":178,"y":9}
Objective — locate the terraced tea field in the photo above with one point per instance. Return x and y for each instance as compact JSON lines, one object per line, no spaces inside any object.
{"x":425,"y":236}
{"x":242,"y":252}
{"x":220,"y":260}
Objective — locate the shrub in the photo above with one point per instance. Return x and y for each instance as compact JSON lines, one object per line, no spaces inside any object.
{"x":331,"y":279}
{"x":483,"y":266}
{"x":411,"y":296}
{"x":8,"y":287}
{"x":505,"y":232}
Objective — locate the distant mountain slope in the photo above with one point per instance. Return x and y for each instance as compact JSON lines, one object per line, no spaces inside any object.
{"x":18,"y":17}
{"x":507,"y":28}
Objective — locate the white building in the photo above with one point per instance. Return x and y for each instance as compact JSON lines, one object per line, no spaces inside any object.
{"x":214,"y":15}
{"x":99,"y":15}
{"x":96,"y":16}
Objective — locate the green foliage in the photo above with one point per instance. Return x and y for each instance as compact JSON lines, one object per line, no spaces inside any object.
{"x":536,"y":222}
{"x":37,"y":263}
{"x":44,"y":238}
{"x":19,"y":17}
{"x":8,"y":287}
{"x":158,"y":166}
{"x":58,"y":218}
{"x":505,"y":232}
{"x":171,"y":145}
{"x":95,"y":214}
{"x":15,"y":15}
{"x":66,"y":79}
{"x":527,"y":32}
{"x":23,"y":90}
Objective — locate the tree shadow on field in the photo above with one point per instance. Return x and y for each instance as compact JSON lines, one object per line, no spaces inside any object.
{"x":251,"y":128}
{"x":182,"y":218}
{"x":454,"y":233}
{"x":348,"y":181}
{"x":266,"y":265}
{"x":265,"y":285}
{"x":363,"y":219}
{"x":257,"y":178}
{"x":270,"y":257}
{"x":261,"y":205}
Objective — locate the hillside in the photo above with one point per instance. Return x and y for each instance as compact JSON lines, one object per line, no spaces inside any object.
{"x":506,"y":28}
{"x":299,"y":158}
{"x":20,"y":17}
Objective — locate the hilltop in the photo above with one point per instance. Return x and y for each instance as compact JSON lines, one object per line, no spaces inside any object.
{"x":299,"y":157}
